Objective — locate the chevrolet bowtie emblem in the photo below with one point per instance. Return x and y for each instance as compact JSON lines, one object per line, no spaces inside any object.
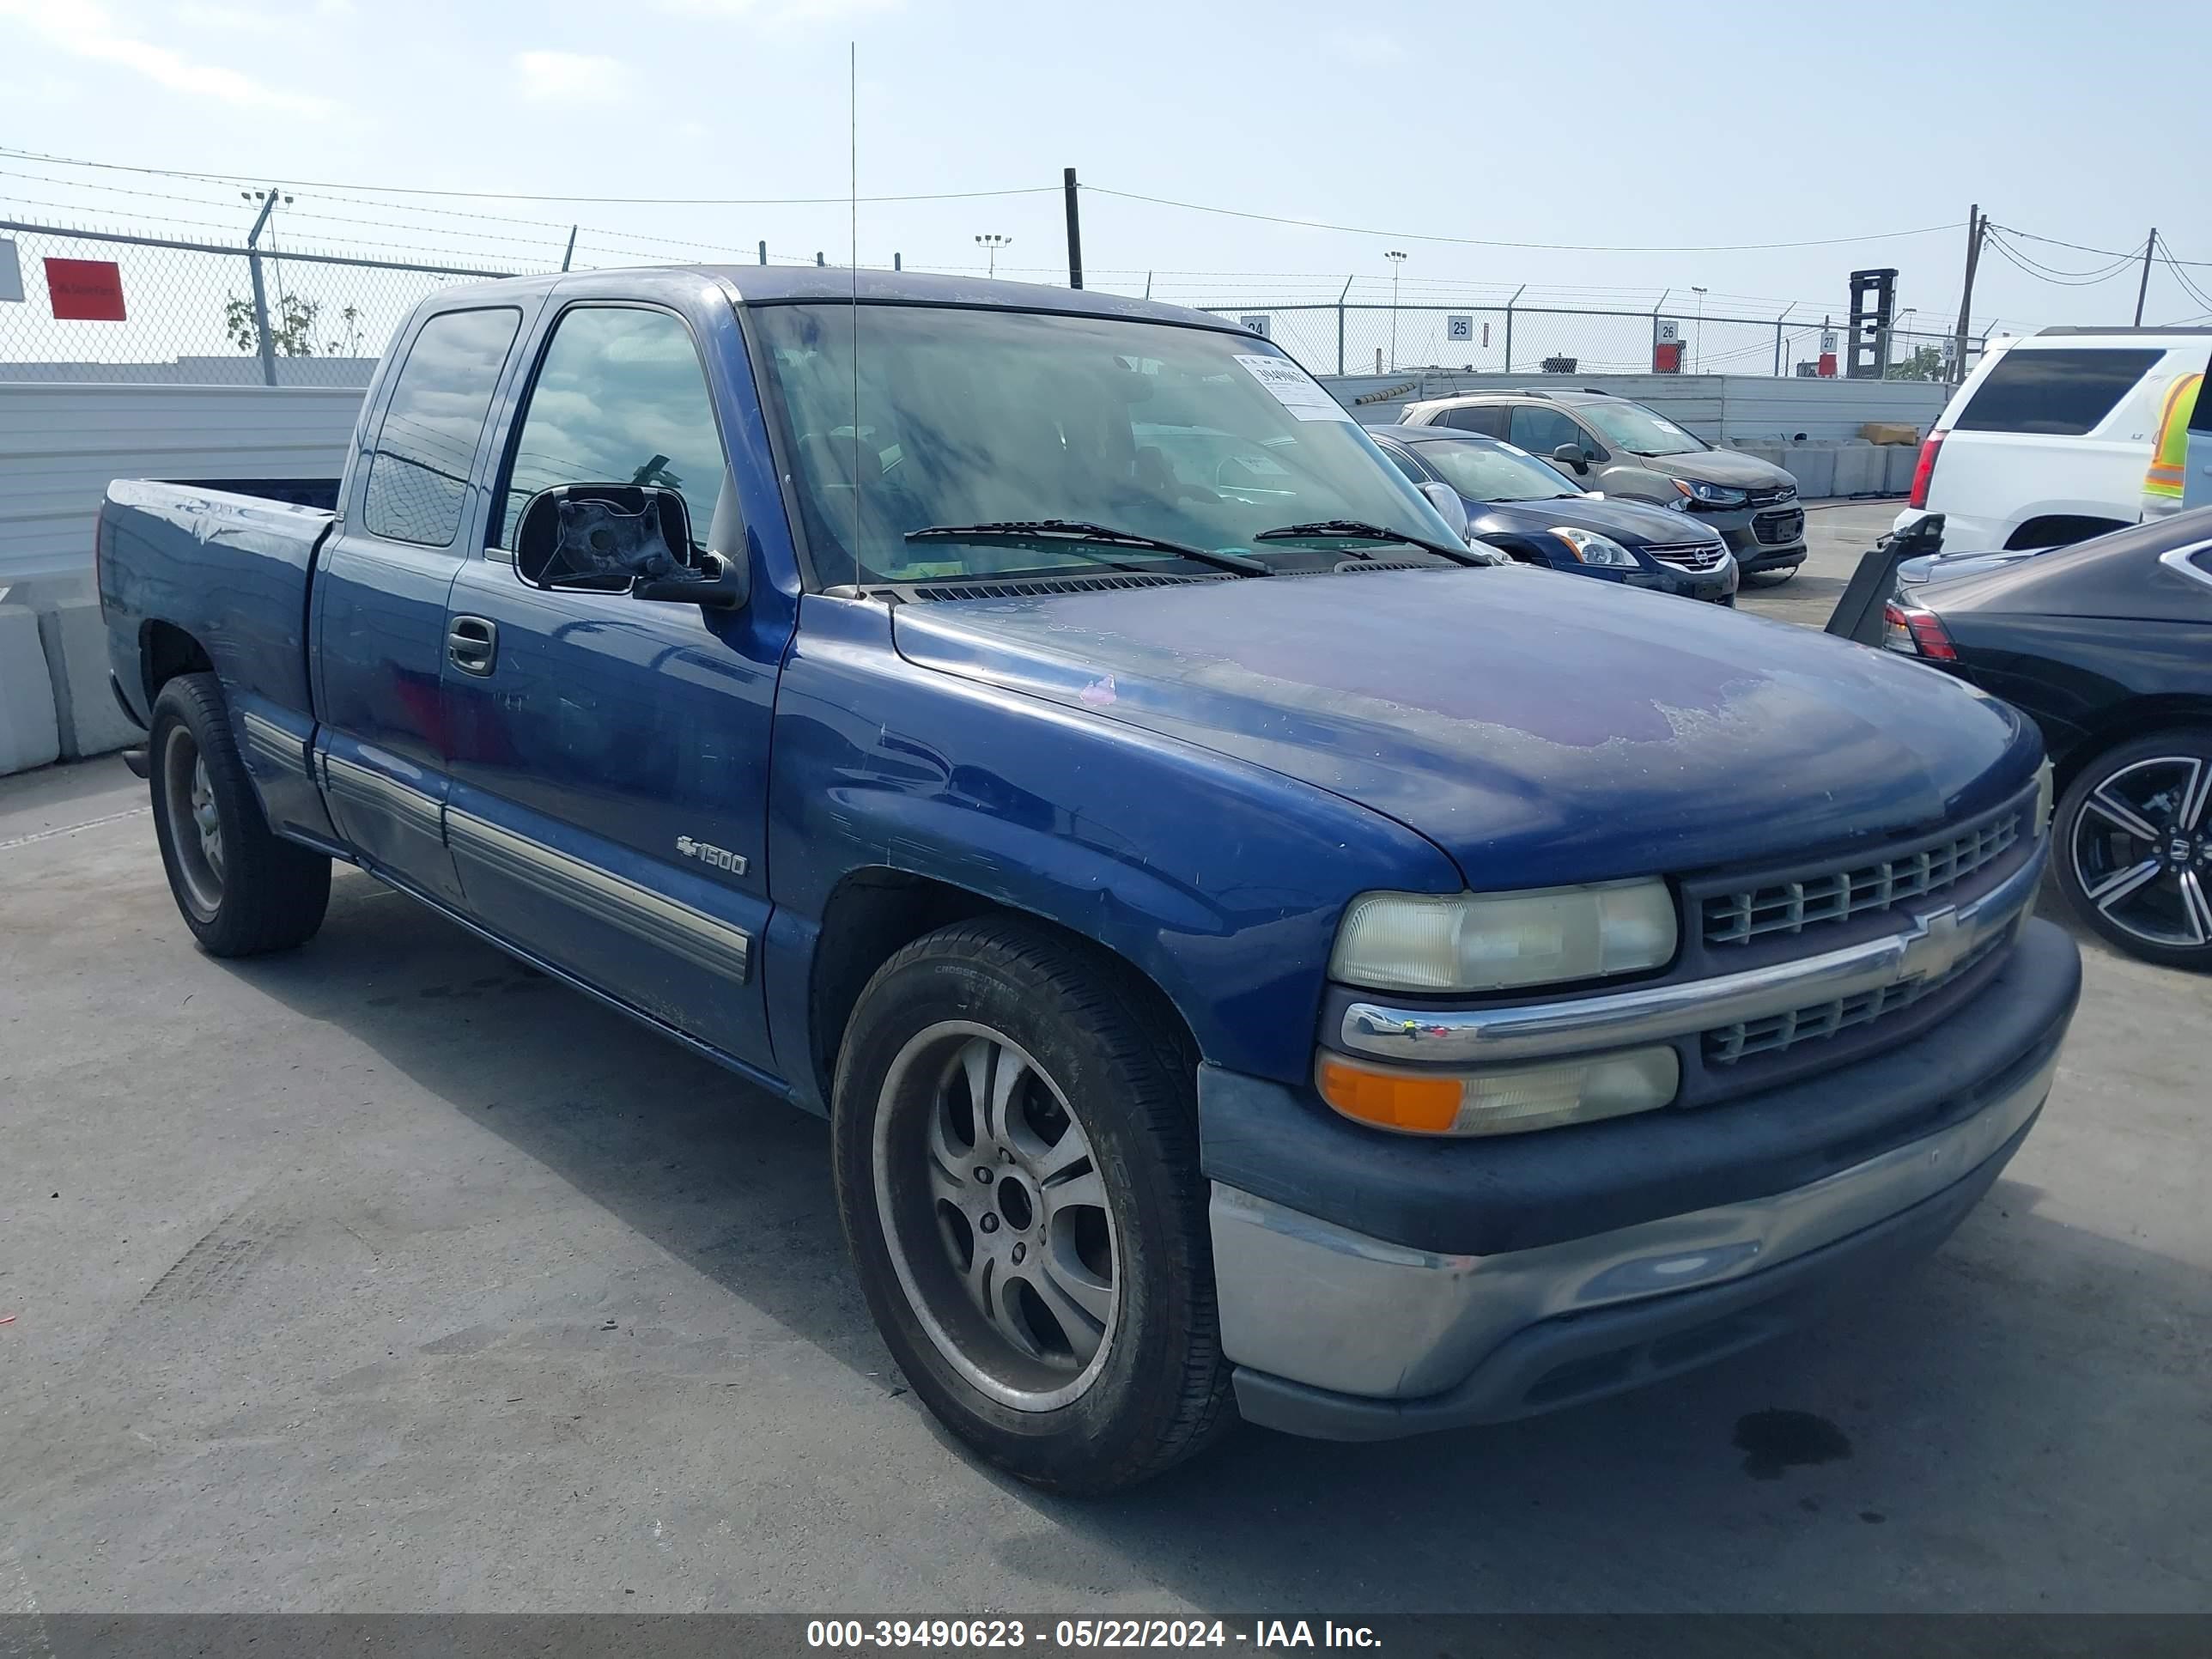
{"x":1937,"y":943}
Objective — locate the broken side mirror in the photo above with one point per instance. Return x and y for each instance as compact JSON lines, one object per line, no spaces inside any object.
{"x":619,"y":538}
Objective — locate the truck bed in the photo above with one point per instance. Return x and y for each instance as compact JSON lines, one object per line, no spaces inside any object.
{"x":215,"y":572}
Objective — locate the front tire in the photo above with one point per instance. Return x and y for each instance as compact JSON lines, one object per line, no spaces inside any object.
{"x":241,"y":890}
{"x":2132,"y":839}
{"x":1016,"y":1168}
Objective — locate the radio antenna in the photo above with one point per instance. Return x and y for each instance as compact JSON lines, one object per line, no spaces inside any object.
{"x":852,"y":104}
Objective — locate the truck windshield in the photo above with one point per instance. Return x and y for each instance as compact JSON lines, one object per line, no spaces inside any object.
{"x":978,"y":417}
{"x":1639,"y":430}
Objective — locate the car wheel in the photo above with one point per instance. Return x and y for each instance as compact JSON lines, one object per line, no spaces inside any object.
{"x":2133,"y":844}
{"x":241,"y":889}
{"x":1016,"y":1169}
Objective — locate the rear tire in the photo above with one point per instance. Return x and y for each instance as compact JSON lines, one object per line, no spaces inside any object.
{"x":241,"y":890}
{"x":1016,"y":1167}
{"x":2132,"y":841}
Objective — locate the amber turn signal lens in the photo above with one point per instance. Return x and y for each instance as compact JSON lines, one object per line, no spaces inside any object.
{"x":1424,"y":1105}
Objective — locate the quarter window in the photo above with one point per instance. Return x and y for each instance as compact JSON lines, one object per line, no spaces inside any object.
{"x":620,"y":400}
{"x":1488,"y":419}
{"x":418,"y":474}
{"x":2063,"y":391}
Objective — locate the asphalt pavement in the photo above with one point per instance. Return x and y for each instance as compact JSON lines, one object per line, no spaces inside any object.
{"x":388,"y":1275}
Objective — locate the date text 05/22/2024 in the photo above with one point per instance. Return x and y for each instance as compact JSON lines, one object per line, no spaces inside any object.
{"x":856,"y":1635}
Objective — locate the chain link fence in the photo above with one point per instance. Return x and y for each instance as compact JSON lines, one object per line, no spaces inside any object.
{"x":102,"y":306}
{"x":111,"y":305}
{"x":1361,"y":336}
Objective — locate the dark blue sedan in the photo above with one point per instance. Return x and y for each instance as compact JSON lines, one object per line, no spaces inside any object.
{"x":1521,"y":504}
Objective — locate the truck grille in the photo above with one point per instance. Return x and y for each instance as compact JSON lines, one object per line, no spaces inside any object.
{"x":1724,"y":1045}
{"x":1689,"y":556}
{"x":1791,"y":907}
{"x":1777,"y":528}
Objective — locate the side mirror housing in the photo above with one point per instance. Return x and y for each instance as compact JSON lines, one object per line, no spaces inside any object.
{"x":1573,"y":455}
{"x":623,"y":538}
{"x":1446,"y":500}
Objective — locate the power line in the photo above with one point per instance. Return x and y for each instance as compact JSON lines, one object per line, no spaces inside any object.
{"x":1479,"y":241}
{"x":2127,"y":261}
{"x":2109,"y":253}
{"x":537,"y":196}
{"x":2182,"y":277}
{"x":2045,"y":274}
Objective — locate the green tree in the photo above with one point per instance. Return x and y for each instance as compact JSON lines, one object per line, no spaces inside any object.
{"x":291,"y":330}
{"x":1926,"y":364}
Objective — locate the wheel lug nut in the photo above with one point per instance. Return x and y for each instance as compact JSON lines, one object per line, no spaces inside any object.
{"x":990,"y":1223}
{"x":983,"y":1174}
{"x":1020,"y":1252}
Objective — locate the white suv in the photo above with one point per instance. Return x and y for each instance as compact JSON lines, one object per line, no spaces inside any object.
{"x":2047,"y":442}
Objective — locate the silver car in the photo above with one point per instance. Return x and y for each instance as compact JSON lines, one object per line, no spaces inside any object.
{"x":1629,"y":452}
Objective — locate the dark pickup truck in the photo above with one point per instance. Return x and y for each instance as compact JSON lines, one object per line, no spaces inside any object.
{"x":1252,"y":962}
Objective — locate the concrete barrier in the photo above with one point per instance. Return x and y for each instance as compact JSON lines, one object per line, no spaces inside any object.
{"x":1858,"y":471}
{"x":1899,"y":460}
{"x":29,"y":735}
{"x":1814,"y":466}
{"x":87,"y":720}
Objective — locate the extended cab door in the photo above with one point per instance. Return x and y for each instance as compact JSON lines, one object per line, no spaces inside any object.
{"x":380,"y":594}
{"x":609,"y":754}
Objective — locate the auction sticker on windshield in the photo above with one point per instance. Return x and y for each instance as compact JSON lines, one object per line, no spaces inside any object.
{"x":1293,"y":388}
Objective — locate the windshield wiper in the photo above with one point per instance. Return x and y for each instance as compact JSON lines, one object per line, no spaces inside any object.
{"x":1353,"y":529}
{"x":1053,"y":534}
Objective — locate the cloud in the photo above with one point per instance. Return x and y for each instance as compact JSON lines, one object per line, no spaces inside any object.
{"x":87,"y":31}
{"x":573,"y":76}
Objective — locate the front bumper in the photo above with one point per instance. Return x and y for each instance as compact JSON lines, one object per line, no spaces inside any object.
{"x":1709,"y":587}
{"x":1476,"y":1283}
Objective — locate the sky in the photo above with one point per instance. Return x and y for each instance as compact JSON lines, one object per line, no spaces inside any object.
{"x":1449,"y":132}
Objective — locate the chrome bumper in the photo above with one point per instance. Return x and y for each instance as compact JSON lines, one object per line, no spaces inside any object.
{"x":1309,"y":1304}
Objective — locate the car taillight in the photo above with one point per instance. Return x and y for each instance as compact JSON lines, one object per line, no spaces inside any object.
{"x":1923,"y":470}
{"x":1916,"y":633}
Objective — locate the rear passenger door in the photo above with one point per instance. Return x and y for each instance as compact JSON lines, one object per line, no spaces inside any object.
{"x":379,"y":597}
{"x":610,"y":755}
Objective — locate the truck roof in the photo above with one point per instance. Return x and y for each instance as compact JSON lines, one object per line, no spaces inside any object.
{"x":791,"y":284}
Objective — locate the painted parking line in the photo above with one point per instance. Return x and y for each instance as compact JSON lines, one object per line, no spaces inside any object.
{"x":72,"y":828}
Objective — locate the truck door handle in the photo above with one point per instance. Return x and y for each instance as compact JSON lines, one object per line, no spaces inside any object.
{"x":472,"y":644}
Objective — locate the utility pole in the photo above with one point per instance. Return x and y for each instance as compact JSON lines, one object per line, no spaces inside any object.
{"x":2142,"y":288}
{"x":1075,"y":230}
{"x":1977,"y":222}
{"x":1397,"y":264}
{"x":1697,"y":351}
{"x":268,"y":199}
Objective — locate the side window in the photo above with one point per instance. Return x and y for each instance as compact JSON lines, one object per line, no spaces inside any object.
{"x":418,"y":473}
{"x":1540,"y":430}
{"x":2063,"y":391}
{"x":1488,"y":419}
{"x":620,"y":399}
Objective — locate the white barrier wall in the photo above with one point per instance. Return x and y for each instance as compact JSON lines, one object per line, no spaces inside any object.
{"x":1717,"y":407}
{"x":60,"y":445}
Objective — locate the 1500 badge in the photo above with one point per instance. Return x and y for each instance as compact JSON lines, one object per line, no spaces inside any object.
{"x":721,"y":857}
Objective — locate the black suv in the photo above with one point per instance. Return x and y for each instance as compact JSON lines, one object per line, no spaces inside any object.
{"x":1634,"y":454}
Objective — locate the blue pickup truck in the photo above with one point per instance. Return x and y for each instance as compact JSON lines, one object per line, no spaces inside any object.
{"x":1257,"y":956}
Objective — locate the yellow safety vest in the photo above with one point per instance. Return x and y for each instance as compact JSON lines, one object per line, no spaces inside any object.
{"x":2171,"y":449}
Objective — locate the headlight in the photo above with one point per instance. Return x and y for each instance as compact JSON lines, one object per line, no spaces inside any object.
{"x":1496,"y":941}
{"x":1501,"y":1100}
{"x":1711,"y":495}
{"x":2044,"y":788}
{"x":1591,"y":548}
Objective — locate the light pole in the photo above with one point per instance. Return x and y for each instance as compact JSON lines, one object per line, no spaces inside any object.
{"x":1698,"y":353}
{"x":991,"y":242}
{"x":1397,"y":264}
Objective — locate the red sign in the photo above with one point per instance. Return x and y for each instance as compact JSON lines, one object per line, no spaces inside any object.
{"x":86,"y":290}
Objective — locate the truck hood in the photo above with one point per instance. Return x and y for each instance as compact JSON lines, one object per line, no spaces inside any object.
{"x":1538,"y":728}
